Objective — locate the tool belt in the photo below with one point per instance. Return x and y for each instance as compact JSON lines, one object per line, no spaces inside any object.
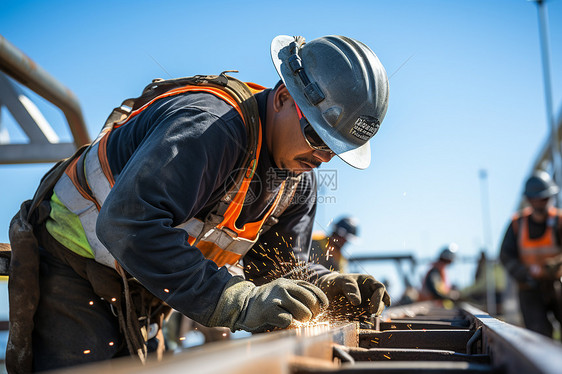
{"x":23,"y":281}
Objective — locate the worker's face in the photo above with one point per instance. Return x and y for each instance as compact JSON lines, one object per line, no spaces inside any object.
{"x":540,"y":206}
{"x":286,"y":141}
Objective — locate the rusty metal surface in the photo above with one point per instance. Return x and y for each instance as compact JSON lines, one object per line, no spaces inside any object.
{"x":431,"y":310}
{"x":428,"y":325}
{"x":23,"y":69}
{"x":413,"y":354}
{"x":270,"y":353}
{"x":404,"y":367}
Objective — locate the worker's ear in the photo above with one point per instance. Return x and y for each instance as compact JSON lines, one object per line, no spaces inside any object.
{"x":282,"y":97}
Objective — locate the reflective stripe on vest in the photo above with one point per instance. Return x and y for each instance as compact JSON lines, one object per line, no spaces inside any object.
{"x":78,"y":202}
{"x":223,"y":243}
{"x":536,"y":251}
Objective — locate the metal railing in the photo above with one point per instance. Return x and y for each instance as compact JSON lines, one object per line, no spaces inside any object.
{"x":43,"y":146}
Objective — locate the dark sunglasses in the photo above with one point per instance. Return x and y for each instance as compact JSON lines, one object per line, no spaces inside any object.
{"x":311,"y":136}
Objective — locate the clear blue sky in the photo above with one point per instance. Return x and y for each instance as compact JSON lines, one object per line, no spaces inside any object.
{"x":466,"y":94}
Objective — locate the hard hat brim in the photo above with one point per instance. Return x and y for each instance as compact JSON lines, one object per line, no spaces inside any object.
{"x":549,"y":192}
{"x":356,"y":155}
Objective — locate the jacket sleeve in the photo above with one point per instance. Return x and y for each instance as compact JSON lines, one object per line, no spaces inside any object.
{"x":168,"y":179}
{"x":509,"y":257}
{"x":283,"y":250}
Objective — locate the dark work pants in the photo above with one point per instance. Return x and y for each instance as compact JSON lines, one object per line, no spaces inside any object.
{"x":536,"y":303}
{"x":72,"y":324}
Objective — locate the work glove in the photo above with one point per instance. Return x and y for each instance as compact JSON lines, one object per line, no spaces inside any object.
{"x":353,"y":296}
{"x":553,"y":267}
{"x":245,"y":306}
{"x":454,"y":295}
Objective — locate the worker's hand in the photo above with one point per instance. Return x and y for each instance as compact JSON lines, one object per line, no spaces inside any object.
{"x":454,"y":295}
{"x":244,"y":306}
{"x":553,"y":267}
{"x":536,"y":271}
{"x":353,"y":296}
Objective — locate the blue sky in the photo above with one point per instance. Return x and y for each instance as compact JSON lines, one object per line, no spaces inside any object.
{"x":466,"y":93}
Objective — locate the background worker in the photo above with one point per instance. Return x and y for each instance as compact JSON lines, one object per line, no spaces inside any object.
{"x":436,"y":285}
{"x":201,"y":173}
{"x":328,"y":250}
{"x":532,"y":254}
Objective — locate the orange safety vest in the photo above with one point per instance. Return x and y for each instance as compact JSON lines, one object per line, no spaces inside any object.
{"x":88,"y":180}
{"x":536,"y":251}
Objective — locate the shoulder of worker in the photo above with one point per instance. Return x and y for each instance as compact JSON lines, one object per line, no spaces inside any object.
{"x":525,"y":212}
{"x":186,"y":123}
{"x":192,"y":141}
{"x":193,"y":102}
{"x":554,"y":211}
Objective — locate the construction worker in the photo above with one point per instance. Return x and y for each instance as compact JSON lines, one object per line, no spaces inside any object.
{"x":181,"y":184}
{"x":531,"y":253}
{"x":436,"y":284}
{"x":328,"y":250}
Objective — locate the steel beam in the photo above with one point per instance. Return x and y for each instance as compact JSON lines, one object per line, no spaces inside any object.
{"x":35,"y":153}
{"x":515,"y":349}
{"x":453,"y":340}
{"x":488,"y":346}
{"x":25,"y":113}
{"x":270,"y":353}
{"x":406,"y":367}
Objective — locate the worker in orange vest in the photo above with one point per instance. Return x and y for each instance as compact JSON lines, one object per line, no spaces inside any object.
{"x":328,"y":250}
{"x":436,"y":285}
{"x":194,"y":181}
{"x":531,"y":252}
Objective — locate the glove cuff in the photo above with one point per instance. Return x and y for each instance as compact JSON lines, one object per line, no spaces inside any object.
{"x":232,"y":303}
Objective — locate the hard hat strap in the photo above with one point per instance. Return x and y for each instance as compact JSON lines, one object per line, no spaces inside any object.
{"x":311,"y":90}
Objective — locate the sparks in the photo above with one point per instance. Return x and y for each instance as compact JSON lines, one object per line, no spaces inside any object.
{"x":285,"y":264}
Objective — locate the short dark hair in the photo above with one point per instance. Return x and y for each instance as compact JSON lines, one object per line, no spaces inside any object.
{"x":278,"y":84}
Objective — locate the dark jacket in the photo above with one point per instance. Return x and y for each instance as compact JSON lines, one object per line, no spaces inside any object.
{"x":509,"y":253}
{"x":173,"y":162}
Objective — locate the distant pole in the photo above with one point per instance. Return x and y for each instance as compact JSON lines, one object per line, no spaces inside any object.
{"x":545,"y":54}
{"x":487,"y":233}
{"x":484,"y":200}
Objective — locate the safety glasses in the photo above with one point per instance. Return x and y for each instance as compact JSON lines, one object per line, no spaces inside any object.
{"x":311,"y":136}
